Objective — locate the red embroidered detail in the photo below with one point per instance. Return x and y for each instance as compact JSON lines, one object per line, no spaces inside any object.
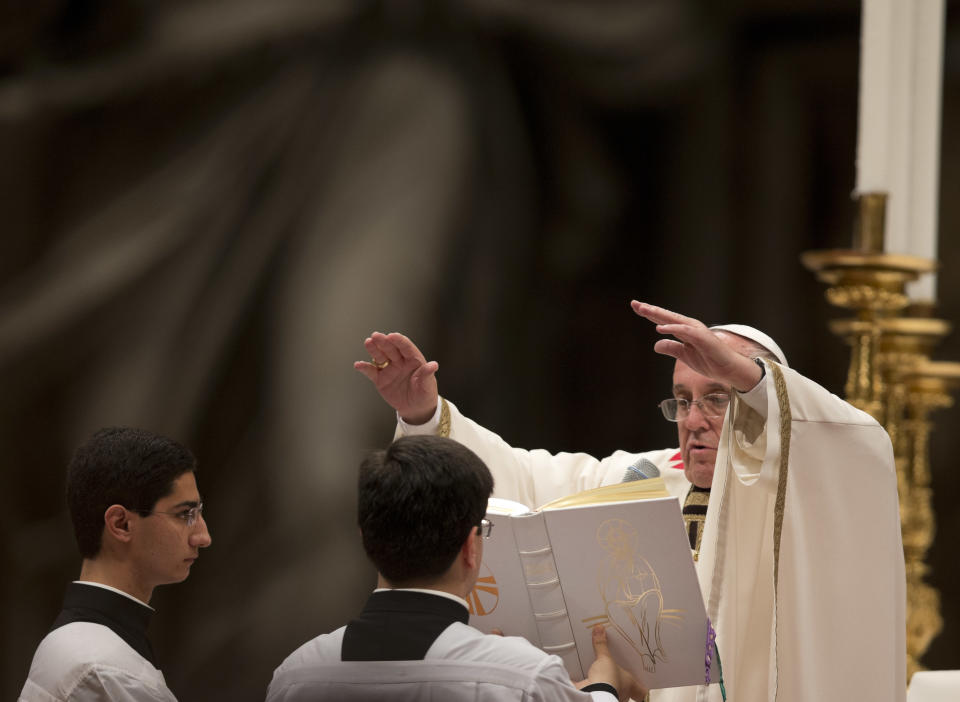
{"x":677,"y":459}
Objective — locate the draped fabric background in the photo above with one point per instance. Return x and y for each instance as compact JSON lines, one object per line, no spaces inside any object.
{"x":208,"y":205}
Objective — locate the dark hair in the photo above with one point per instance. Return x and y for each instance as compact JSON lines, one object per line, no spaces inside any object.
{"x":417,"y":502}
{"x":120,"y":466}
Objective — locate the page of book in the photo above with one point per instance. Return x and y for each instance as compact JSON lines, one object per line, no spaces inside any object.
{"x":551,"y":575}
{"x":628,"y":566}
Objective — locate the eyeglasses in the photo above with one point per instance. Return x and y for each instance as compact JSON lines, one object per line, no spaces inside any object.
{"x":188,"y":515}
{"x":484,"y":528}
{"x":711,"y":406}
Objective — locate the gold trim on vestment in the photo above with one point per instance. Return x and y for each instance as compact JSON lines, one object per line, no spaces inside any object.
{"x":783,"y":400}
{"x":786,"y":420}
{"x":696,"y":497}
{"x":443,"y":429}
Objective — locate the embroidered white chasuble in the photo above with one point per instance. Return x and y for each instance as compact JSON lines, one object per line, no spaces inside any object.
{"x":802,"y":563}
{"x":808,"y":598}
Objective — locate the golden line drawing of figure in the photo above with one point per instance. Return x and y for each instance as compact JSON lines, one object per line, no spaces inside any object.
{"x":630,"y":589}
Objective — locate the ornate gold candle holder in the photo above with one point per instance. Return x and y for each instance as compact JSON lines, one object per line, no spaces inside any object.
{"x":873,"y":286}
{"x":928,"y":385}
{"x":891,"y":377}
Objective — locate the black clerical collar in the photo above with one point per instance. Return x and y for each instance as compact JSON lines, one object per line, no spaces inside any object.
{"x":126,"y":617}
{"x":399,"y":625}
{"x":419,"y":601}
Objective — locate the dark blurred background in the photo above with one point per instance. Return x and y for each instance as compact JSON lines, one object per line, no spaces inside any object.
{"x":208,"y":204}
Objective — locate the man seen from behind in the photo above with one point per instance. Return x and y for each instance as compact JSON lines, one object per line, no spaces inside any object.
{"x":421,"y":513}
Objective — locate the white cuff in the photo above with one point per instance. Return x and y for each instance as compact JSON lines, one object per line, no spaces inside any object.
{"x":756,"y":397}
{"x":429,"y":427}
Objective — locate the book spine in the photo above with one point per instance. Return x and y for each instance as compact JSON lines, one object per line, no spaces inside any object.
{"x":543,"y":588}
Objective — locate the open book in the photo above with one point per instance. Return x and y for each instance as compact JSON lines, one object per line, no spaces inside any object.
{"x":617,"y":555}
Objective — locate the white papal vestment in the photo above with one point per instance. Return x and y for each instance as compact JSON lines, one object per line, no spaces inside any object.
{"x":801,"y":561}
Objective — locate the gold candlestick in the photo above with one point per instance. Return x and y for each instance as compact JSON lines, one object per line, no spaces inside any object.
{"x":927,"y":389}
{"x":891,"y":377}
{"x":873,"y":286}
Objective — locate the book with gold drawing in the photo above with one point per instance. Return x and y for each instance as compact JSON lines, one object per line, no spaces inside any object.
{"x":617,"y":555}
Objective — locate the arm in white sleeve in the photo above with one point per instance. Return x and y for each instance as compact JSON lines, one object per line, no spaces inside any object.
{"x":531,"y":477}
{"x":428,"y":428}
{"x":756,"y":397}
{"x":553,"y":683}
{"x":748,"y":415}
{"x":757,"y":414}
{"x":104,"y":682}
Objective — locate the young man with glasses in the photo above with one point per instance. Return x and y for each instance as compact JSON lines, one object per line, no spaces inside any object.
{"x":421,"y":506}
{"x":137,"y":517}
{"x":779,"y":480}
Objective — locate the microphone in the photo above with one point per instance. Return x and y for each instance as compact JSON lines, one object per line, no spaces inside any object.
{"x":641,"y":469}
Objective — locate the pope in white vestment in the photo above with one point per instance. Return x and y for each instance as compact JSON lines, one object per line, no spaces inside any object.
{"x":800,"y":559}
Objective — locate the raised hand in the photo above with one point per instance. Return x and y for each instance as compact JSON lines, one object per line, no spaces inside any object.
{"x":698,"y":347}
{"x":402,"y":375}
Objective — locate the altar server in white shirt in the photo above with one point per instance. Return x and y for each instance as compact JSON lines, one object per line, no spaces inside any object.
{"x":790,"y":499}
{"x":138,"y":520}
{"x":421,"y":507}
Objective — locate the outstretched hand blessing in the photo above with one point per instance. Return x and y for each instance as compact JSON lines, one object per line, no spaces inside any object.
{"x":698,"y":347}
{"x":402,"y":375}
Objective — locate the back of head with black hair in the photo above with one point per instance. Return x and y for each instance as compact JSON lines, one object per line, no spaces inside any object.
{"x":120,"y":466}
{"x":417,"y":502}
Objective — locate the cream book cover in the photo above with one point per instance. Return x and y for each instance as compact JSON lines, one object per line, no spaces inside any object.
{"x":617,"y":556}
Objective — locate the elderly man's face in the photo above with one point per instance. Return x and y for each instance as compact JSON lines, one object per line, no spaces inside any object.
{"x":699,"y":434}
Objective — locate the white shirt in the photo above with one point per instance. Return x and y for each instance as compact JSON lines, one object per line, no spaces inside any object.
{"x":86,"y":662}
{"x":461,"y":664}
